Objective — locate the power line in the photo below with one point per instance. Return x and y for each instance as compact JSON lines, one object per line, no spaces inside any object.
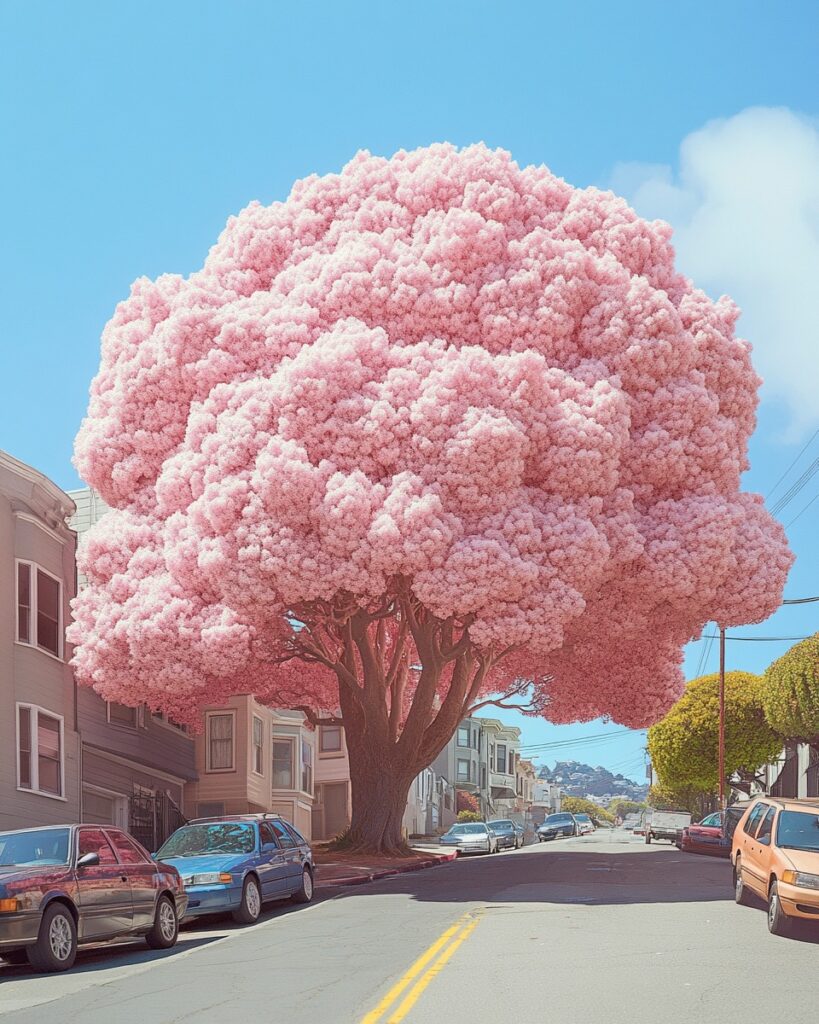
{"x":795,"y":488}
{"x":805,"y":509}
{"x":790,"y":467}
{"x":762,"y":639}
{"x":801,"y":600}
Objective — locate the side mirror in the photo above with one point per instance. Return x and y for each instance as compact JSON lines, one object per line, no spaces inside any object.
{"x":88,"y":860}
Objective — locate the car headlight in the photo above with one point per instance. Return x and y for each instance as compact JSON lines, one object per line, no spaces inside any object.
{"x":802,"y":878}
{"x":210,"y":878}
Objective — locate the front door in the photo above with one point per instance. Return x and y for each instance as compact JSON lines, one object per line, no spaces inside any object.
{"x":751,"y":866}
{"x":292,"y":854}
{"x":273,"y":868}
{"x":106,"y":906}
{"x":761,"y":863}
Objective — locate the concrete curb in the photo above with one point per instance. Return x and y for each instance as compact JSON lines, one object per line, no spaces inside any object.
{"x":372,"y":876}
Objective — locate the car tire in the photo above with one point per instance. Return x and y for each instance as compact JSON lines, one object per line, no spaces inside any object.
{"x":56,"y":945}
{"x":778,"y":921}
{"x":250,"y":908}
{"x":305,"y":893}
{"x":165,"y":929}
{"x":741,"y":894}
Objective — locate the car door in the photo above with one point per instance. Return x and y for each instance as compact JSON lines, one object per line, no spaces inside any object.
{"x":292,"y":855}
{"x":273,"y":869}
{"x":751,"y":867}
{"x":103,"y":889}
{"x":764,"y":851}
{"x":141,"y":872}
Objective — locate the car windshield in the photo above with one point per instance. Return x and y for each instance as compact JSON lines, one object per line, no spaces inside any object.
{"x":582,"y":817}
{"x":502,"y":826}
{"x":556,"y":819}
{"x":467,"y":830}
{"x":215,"y":837}
{"x":37,"y":847}
{"x":798,"y":830}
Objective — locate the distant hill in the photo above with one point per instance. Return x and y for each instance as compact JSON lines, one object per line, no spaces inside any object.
{"x":578,"y":779}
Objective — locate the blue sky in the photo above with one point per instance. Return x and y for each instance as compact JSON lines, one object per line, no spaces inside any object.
{"x":131,"y":131}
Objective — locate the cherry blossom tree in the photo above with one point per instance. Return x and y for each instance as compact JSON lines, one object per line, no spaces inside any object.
{"x":433,"y":432}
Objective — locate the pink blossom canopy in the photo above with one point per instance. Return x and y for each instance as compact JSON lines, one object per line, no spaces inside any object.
{"x":441,"y":368}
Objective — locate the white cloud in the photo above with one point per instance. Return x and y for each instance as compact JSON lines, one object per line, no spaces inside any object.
{"x":745,"y":212}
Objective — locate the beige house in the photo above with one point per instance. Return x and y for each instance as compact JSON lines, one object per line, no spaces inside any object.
{"x":332,"y":809}
{"x":249,"y":759}
{"x":525,"y":778}
{"x":502,"y":743}
{"x":39,"y":743}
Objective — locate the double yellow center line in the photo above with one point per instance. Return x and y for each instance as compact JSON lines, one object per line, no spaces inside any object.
{"x":428,"y":966}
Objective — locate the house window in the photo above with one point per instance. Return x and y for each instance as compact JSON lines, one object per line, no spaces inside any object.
{"x":463,"y":736}
{"x":39,"y":750}
{"x":160,"y":716}
{"x":220,"y":742}
{"x":483,"y":776}
{"x":306,"y":767}
{"x":330,"y":739}
{"x":463,"y":769}
{"x":39,"y":608}
{"x":500,"y":758}
{"x":121,"y":714}
{"x":258,"y":746}
{"x":283,"y":750}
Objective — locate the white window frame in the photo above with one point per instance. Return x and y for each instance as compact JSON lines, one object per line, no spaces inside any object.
{"x":331,"y":751}
{"x":305,"y":746}
{"x":253,"y":746}
{"x":33,"y":712}
{"x":33,"y":568}
{"x":291,"y":741}
{"x":220,"y":714}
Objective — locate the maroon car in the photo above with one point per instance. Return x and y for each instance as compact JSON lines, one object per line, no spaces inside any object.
{"x":65,"y":885}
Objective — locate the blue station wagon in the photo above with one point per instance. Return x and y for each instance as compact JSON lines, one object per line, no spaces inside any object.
{"x":238,"y":863}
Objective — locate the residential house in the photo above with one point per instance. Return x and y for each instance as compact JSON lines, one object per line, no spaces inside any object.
{"x":525,"y":778}
{"x":135,"y":764}
{"x":40,"y":759}
{"x":251,"y":759}
{"x":502,"y":744}
{"x":546,"y":798}
{"x":468,"y":759}
{"x":332,"y":806}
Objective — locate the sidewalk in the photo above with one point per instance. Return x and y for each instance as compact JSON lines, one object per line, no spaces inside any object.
{"x":355,"y":869}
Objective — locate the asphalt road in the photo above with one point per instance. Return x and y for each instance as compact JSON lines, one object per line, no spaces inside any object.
{"x":597,"y":929}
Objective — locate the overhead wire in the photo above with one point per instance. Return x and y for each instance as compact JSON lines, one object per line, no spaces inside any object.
{"x":793,"y":463}
{"x":804,"y":509}
{"x":795,"y":488}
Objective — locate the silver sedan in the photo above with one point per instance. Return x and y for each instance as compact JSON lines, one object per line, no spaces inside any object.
{"x":471,"y":837}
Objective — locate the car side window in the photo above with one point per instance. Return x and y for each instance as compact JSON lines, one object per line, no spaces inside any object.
{"x":294,"y":832}
{"x":268,"y":836}
{"x":766,"y":828}
{"x":752,"y":821}
{"x":92,"y":840}
{"x":284,"y":837}
{"x":126,"y":850}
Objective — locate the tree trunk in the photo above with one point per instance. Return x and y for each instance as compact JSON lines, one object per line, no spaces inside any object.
{"x":379,"y":796}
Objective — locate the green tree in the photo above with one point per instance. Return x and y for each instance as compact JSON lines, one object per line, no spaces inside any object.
{"x":577,"y":805}
{"x":790,"y":692}
{"x":469,"y":816}
{"x":683,"y":745}
{"x":620,"y":807}
{"x":697,"y":801}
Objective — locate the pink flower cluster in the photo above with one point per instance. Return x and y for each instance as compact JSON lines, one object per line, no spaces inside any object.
{"x":442,"y":367}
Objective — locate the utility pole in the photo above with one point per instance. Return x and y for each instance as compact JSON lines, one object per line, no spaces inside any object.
{"x":722,"y":718}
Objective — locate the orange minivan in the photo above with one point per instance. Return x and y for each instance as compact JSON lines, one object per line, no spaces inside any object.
{"x":775,"y":854}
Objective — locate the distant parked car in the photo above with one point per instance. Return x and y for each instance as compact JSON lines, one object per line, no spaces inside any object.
{"x":66,"y":885}
{"x":703,"y":837}
{"x":775,"y":855}
{"x":555,"y":825}
{"x":585,"y":823}
{"x":510,"y":834}
{"x":471,"y":837}
{"x":240,"y":862}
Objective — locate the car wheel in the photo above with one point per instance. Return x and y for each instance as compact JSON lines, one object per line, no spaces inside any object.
{"x":56,"y":945}
{"x":305,"y":893}
{"x":251,"y":906}
{"x":741,"y":894}
{"x":165,"y":928}
{"x":778,"y":921}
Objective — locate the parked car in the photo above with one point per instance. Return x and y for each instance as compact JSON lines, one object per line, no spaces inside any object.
{"x":631,"y":821}
{"x":240,"y":862}
{"x":509,"y":833}
{"x":471,"y":837}
{"x":585,"y":823}
{"x":775,"y":855}
{"x":66,"y":885}
{"x":555,"y":825}
{"x":703,"y":837}
{"x":665,"y":824}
